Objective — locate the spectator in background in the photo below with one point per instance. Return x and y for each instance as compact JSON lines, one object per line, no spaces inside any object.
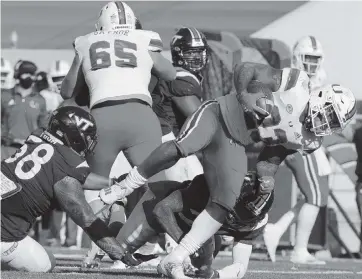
{"x":44,"y":87}
{"x":23,"y":109}
{"x":57,"y":72}
{"x":7,"y":74}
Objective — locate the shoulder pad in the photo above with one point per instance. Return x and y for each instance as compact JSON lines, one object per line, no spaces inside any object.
{"x":155,"y":40}
{"x":186,"y":84}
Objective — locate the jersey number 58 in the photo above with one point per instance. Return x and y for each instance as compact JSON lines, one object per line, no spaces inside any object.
{"x":100,"y":56}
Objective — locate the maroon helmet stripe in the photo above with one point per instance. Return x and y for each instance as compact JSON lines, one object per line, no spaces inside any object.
{"x":57,"y":65}
{"x":2,"y":62}
{"x":314,"y":42}
{"x":121,"y":12}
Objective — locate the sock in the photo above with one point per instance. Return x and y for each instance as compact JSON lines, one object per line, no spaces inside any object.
{"x":306,"y":220}
{"x":288,"y":218}
{"x":197,"y":236}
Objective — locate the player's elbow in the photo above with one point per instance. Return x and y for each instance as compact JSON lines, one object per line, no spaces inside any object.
{"x":162,"y":67}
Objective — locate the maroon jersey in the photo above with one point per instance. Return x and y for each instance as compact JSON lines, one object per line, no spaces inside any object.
{"x":247,"y":219}
{"x":185,"y":84}
{"x":28,"y":178}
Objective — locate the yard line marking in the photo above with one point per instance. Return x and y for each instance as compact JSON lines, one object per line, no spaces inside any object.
{"x":329,"y":272}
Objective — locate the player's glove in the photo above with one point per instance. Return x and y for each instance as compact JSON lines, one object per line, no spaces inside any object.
{"x":265,"y":185}
{"x":123,"y":188}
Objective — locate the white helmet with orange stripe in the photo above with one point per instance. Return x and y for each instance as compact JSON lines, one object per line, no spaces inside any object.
{"x":116,"y":15}
{"x":7,"y":74}
{"x":57,"y":72}
{"x":308,"y":55}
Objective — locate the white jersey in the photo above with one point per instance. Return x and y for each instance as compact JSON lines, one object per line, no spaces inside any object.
{"x":284,"y":125}
{"x":116,"y":64}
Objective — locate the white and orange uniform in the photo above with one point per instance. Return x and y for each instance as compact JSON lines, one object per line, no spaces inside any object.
{"x":116,"y":64}
{"x":284,"y":126}
{"x":117,"y":68}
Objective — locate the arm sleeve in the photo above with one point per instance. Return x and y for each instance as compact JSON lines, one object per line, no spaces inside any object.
{"x":155,"y":43}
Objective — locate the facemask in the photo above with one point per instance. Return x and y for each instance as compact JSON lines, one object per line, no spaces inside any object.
{"x":26,"y":82}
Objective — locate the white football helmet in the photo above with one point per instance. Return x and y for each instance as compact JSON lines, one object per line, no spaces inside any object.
{"x":331,"y":108}
{"x":116,"y":15}
{"x":57,"y":72}
{"x":308,"y":55}
{"x":7,"y":74}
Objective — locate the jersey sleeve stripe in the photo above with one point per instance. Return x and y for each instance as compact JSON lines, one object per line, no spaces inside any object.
{"x":154,"y":43}
{"x":186,"y":74}
{"x":83,"y":165}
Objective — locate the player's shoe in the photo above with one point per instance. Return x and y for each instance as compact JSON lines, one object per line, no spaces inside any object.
{"x":93,"y":258}
{"x":118,"y":265}
{"x":271,"y":240}
{"x":170,"y":269}
{"x":304,"y":257}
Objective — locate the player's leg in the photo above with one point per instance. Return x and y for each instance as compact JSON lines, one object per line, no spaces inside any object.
{"x":26,"y":255}
{"x":225,"y":165}
{"x":309,"y":212}
{"x":186,"y":168}
{"x":142,"y":224}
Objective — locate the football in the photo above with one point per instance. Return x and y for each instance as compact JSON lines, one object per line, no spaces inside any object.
{"x":263,"y":95}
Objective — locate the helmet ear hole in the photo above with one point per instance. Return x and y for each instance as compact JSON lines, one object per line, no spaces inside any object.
{"x":320,"y":94}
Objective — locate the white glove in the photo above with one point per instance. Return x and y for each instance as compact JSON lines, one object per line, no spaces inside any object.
{"x":122,"y":189}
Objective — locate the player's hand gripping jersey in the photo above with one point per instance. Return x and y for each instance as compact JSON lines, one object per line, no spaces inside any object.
{"x":116,"y":64}
{"x":285,"y":124}
{"x":28,"y":178}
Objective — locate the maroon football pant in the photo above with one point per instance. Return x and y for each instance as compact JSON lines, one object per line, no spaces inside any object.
{"x":223,"y":160}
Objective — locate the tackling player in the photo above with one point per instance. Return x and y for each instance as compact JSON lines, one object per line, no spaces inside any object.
{"x":170,"y":206}
{"x":174,"y":101}
{"x":310,"y":171}
{"x":288,"y":120}
{"x":50,"y":171}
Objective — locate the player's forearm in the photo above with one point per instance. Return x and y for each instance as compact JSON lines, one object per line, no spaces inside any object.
{"x":95,"y":182}
{"x":165,"y":214}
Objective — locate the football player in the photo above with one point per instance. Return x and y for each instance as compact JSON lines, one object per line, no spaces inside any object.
{"x":310,"y":171}
{"x":174,"y":101}
{"x":115,"y":64}
{"x":170,"y":206}
{"x":48,"y":171}
{"x":288,"y":120}
{"x":308,"y":56}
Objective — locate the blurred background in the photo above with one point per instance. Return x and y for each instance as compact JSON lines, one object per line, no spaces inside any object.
{"x":256,"y":31}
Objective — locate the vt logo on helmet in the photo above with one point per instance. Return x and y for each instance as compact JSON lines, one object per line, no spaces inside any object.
{"x":189,"y":49}
{"x":75,"y":127}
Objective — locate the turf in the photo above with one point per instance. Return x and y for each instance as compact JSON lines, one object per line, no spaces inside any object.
{"x":69,"y":261}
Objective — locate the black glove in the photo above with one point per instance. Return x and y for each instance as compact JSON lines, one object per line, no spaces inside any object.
{"x":118,"y":179}
{"x":137,"y":258}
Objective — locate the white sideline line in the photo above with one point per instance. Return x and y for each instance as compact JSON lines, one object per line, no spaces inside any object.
{"x":330,"y":272}
{"x":262,"y":271}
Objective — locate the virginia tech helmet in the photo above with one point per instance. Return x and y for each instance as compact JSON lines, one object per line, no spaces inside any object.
{"x":308,"y":55}
{"x":75,"y":127}
{"x":116,"y":15}
{"x":331,"y":108}
{"x":7,"y":74}
{"x":189,"y":49}
{"x":57,"y":72}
